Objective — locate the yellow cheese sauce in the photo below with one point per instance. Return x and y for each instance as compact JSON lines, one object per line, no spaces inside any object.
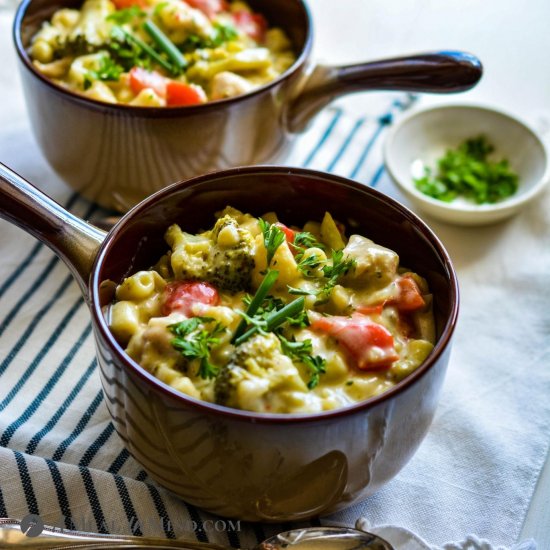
{"x":258,"y":316}
{"x":156,"y":53}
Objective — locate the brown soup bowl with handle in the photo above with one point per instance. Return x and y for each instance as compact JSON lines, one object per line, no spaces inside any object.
{"x":251,"y":466}
{"x":117,"y":155}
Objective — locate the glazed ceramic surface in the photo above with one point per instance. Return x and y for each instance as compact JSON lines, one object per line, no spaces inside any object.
{"x":237,"y":463}
{"x":117,"y":155}
{"x":420,"y":139}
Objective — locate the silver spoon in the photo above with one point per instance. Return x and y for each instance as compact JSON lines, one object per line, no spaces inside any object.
{"x":36,"y":536}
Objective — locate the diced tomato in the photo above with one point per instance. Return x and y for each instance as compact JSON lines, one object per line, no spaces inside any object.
{"x":410,"y":297}
{"x":141,"y":79}
{"x":180,"y":94}
{"x":289,"y":233}
{"x":181,"y":296}
{"x":368,"y":344}
{"x":371,"y":310}
{"x":209,"y":7}
{"x":253,"y":24}
{"x":124,"y":4}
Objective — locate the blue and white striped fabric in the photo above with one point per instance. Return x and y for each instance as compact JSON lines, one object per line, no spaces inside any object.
{"x":61,"y":459}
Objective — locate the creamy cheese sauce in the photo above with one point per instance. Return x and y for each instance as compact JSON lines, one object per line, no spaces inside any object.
{"x":360,"y":323}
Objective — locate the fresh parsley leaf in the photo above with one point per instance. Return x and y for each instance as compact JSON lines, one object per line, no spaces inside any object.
{"x":194,"y":342}
{"x":121,"y":17}
{"x":269,"y":322}
{"x":108,"y":70}
{"x":339,"y":266}
{"x":221,"y":34}
{"x":300,"y":320}
{"x":334,"y":272}
{"x":301,"y":351}
{"x":305,"y":239}
{"x":468,"y":172}
{"x":308,"y":263}
{"x":274,"y":237}
{"x":317,"y":365}
{"x":126,"y":52}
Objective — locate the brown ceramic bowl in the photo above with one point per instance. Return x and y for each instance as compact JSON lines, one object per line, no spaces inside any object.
{"x":117,"y":155}
{"x":240,"y":464}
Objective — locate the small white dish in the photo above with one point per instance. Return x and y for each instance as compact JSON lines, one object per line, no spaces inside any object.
{"x":421,"y":138}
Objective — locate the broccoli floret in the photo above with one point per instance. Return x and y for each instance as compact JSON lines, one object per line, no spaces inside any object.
{"x":255,"y":373}
{"x":223,"y":256}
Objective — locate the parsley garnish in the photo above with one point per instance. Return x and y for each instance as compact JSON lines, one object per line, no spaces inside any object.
{"x":194,"y":342}
{"x":334,"y":272}
{"x":291,"y":312}
{"x":108,"y":70}
{"x":126,"y":52}
{"x":304,"y":240}
{"x":221,"y":34}
{"x":466,"y":172}
{"x":301,"y":351}
{"x":121,"y":17}
{"x":308,"y":263}
{"x":274,"y":237}
{"x":256,"y":301}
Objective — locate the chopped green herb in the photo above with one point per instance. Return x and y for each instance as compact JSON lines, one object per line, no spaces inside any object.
{"x":121,"y":17}
{"x":333,"y":272}
{"x":194,"y":342}
{"x":256,"y":302}
{"x":274,"y":237}
{"x":467,"y":172}
{"x":144,"y":47}
{"x":308,"y":263}
{"x":290,"y":312}
{"x":222,"y":33}
{"x":108,"y":70}
{"x":301,"y":351}
{"x":304,"y":240}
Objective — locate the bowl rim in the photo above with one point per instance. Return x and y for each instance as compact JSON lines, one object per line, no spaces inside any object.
{"x":274,"y":418}
{"x":473,"y":210}
{"x":167,"y":111}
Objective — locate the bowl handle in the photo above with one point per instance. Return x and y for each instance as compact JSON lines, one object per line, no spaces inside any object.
{"x":72,"y":239}
{"x":439,"y":72}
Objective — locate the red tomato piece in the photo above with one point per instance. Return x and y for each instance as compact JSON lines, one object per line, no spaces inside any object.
{"x":124,"y":4}
{"x":181,"y":296}
{"x":289,"y":233}
{"x":253,"y":24}
{"x":141,"y":79}
{"x":368,"y":344}
{"x":371,"y":310}
{"x":180,"y":94}
{"x":209,"y":7}
{"x":410,"y":297}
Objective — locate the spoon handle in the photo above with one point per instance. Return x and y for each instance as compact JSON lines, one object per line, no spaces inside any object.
{"x":34,"y":535}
